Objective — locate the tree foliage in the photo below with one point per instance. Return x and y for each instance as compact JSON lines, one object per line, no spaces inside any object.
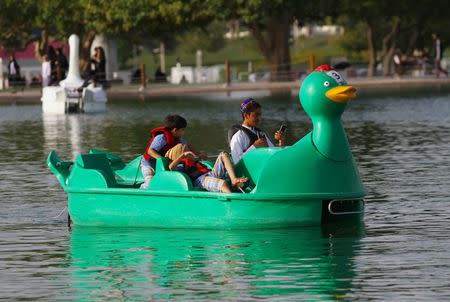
{"x":378,"y":26}
{"x":16,"y":28}
{"x":270,"y":23}
{"x":209,"y":38}
{"x":386,"y":25}
{"x":131,"y":19}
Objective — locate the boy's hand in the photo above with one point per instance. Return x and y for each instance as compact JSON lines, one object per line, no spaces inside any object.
{"x":279,"y":136}
{"x":189,"y":155}
{"x":260,"y":143}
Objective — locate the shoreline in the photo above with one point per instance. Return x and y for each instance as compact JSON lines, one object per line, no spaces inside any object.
{"x":33,"y":95}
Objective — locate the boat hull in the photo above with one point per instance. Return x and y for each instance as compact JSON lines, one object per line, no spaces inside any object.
{"x":195,"y":211}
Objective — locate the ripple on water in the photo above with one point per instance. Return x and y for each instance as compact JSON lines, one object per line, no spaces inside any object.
{"x":401,"y":145}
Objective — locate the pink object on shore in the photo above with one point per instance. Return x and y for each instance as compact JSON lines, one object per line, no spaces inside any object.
{"x":28,"y":52}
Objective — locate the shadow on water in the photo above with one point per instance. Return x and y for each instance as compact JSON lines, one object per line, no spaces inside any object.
{"x":310,"y":263}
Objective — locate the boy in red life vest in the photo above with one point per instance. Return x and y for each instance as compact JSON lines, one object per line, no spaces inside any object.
{"x":201,"y":176}
{"x":163,"y":139}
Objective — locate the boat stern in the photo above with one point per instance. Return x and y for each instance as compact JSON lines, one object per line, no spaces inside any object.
{"x":342,"y":210}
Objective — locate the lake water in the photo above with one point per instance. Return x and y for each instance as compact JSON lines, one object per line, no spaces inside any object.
{"x":400,"y":138}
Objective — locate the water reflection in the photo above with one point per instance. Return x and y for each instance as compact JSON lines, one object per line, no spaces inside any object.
{"x":62,"y":131}
{"x":203,"y":264}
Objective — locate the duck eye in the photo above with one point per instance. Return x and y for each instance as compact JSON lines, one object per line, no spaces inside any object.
{"x":326,"y":84}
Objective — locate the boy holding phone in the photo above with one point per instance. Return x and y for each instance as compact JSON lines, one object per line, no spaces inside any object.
{"x":246,"y":137}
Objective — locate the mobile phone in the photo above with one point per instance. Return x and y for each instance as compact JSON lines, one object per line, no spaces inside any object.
{"x":282,"y":128}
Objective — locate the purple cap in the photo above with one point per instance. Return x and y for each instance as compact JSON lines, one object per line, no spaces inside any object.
{"x":246,"y":103}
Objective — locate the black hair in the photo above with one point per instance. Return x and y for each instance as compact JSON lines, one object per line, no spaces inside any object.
{"x":250,"y":107}
{"x":174,"y":121}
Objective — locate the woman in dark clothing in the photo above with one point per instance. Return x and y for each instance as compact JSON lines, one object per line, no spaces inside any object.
{"x":99,"y":62}
{"x":13,"y":71}
{"x":61,"y":64}
{"x":102,"y":64}
{"x":52,"y":56}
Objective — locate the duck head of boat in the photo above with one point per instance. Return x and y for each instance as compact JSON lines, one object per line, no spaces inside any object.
{"x":321,"y":162}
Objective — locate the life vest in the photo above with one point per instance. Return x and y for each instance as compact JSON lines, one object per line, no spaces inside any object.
{"x":171,"y":141}
{"x":194,"y":168}
{"x":250,"y":134}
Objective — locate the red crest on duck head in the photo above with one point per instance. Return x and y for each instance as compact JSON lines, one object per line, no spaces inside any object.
{"x":322,"y":68}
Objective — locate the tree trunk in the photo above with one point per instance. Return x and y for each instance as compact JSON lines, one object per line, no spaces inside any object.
{"x":389,"y":45}
{"x":85,"y":51}
{"x":275,"y":47}
{"x":412,"y":42}
{"x":387,"y":61}
{"x":371,"y":51}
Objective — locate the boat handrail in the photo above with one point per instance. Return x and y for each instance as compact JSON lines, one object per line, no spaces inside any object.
{"x":345,"y":213}
{"x":73,"y":93}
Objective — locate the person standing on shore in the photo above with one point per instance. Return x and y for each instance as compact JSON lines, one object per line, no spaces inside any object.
{"x":51,"y":53}
{"x":101,"y":67}
{"x":61,"y":64}
{"x":398,"y":64}
{"x":99,"y":64}
{"x":13,"y":71}
{"x":438,"y":49}
{"x":46,"y":71}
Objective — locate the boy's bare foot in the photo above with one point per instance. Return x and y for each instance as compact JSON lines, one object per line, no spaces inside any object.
{"x":239,"y":181}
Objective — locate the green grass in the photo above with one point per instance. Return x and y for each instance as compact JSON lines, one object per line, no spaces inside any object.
{"x":322,"y":47}
{"x":240,"y":52}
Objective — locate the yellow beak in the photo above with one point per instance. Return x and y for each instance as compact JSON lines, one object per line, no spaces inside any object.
{"x":341,"y":94}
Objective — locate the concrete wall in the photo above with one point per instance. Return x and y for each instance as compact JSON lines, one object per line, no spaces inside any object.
{"x":210,"y":74}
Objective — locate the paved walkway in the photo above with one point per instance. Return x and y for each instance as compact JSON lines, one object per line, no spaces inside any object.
{"x":34,"y":95}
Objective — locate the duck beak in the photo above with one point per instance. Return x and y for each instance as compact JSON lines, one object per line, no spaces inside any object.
{"x":341,"y":94}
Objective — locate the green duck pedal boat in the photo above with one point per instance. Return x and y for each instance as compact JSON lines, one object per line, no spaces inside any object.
{"x":312,"y":182}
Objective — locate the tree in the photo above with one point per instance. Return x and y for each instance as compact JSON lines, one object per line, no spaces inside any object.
{"x":389,"y":25}
{"x":133,"y":19}
{"x":16,"y":29}
{"x":381,"y":22}
{"x":210,"y":38}
{"x":270,"y":23}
